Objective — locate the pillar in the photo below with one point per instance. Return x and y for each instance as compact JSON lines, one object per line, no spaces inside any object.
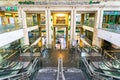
{"x":73,"y":26}
{"x":82,"y":19}
{"x":48,"y":28}
{"x":67,"y":37}
{"x":54,"y":36}
{"x":38,"y":20}
{"x":24,"y":22}
{"x":96,"y":40}
{"x":81,"y":29}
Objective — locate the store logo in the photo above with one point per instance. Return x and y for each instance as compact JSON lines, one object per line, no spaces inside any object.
{"x":26,"y":2}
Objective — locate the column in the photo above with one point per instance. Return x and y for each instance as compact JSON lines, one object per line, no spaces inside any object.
{"x":67,"y":37}
{"x":16,"y":26}
{"x":48,"y":28}
{"x":82,"y":19}
{"x":38,"y":20}
{"x":81,"y":29}
{"x":54,"y":36}
{"x":24,"y":22}
{"x":96,"y":39}
{"x":73,"y":26}
{"x":39,"y":27}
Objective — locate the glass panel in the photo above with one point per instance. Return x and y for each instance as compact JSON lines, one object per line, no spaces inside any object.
{"x":9,"y":24}
{"x":10,"y":52}
{"x":31,"y":19}
{"x":89,"y":19}
{"x":33,"y":36}
{"x":111,"y":21}
{"x":78,"y":18}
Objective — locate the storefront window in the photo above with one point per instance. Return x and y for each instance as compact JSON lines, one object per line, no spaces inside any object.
{"x":89,"y":19}
{"x":111,"y":21}
{"x":31,"y":19}
{"x":9,"y":23}
{"x":78,"y":18}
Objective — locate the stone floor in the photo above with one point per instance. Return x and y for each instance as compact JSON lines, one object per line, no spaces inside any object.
{"x":69,"y":59}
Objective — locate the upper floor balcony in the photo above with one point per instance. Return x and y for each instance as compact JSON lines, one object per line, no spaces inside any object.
{"x":9,"y":27}
{"x":112,"y":27}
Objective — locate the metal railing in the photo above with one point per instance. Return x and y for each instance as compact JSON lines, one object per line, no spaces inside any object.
{"x":25,"y":75}
{"x":98,"y":75}
{"x":9,"y":27}
{"x":60,"y":74}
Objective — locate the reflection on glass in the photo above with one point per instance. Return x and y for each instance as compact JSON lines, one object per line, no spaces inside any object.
{"x":89,"y":20}
{"x":78,"y":18}
{"x":10,"y":52}
{"x":111,"y":23}
{"x":31,"y":19}
{"x":33,"y":36}
{"x":9,"y":24}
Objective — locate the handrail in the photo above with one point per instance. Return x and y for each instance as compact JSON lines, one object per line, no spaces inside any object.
{"x":88,"y":68}
{"x":111,"y":76}
{"x":26,"y":49}
{"x":23,"y":74}
{"x":34,"y":43}
{"x":111,"y":56}
{"x":12,"y":54}
{"x":15,"y":75}
{"x":60,"y":69}
{"x":98,"y":73}
{"x":117,"y":50}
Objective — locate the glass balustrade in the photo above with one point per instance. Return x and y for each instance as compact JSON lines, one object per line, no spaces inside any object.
{"x":111,"y":27}
{"x":89,"y":23}
{"x":33,"y":36}
{"x":9,"y":27}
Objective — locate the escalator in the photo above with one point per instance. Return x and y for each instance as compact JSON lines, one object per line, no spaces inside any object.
{"x":23,"y":73}
{"x":11,"y":66}
{"x":95,"y":71}
{"x":102,"y":68}
{"x":16,"y":68}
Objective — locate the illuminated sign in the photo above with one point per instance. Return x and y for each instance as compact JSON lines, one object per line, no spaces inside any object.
{"x":26,"y":2}
{"x":14,"y":8}
{"x":111,"y":12}
{"x":96,"y":2}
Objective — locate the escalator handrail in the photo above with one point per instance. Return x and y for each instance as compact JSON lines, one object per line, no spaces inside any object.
{"x":88,"y":68}
{"x":103,"y":69}
{"x":111,"y":76}
{"x":10,"y":66}
{"x":15,"y":75}
{"x":96,"y":72}
{"x":110,"y":67}
{"x":105,"y":52}
{"x":22,"y":74}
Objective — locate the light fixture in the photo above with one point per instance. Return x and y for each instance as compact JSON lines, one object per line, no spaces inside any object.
{"x":61,"y":15}
{"x":8,"y":14}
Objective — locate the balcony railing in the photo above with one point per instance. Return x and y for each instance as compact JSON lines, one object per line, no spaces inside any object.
{"x":9,"y":27}
{"x":89,"y":23}
{"x":112,"y":28}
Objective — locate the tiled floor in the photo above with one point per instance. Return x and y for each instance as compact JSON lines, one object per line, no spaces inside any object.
{"x":69,"y":59}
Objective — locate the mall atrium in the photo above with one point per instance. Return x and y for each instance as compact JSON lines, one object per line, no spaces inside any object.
{"x":59,"y":39}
